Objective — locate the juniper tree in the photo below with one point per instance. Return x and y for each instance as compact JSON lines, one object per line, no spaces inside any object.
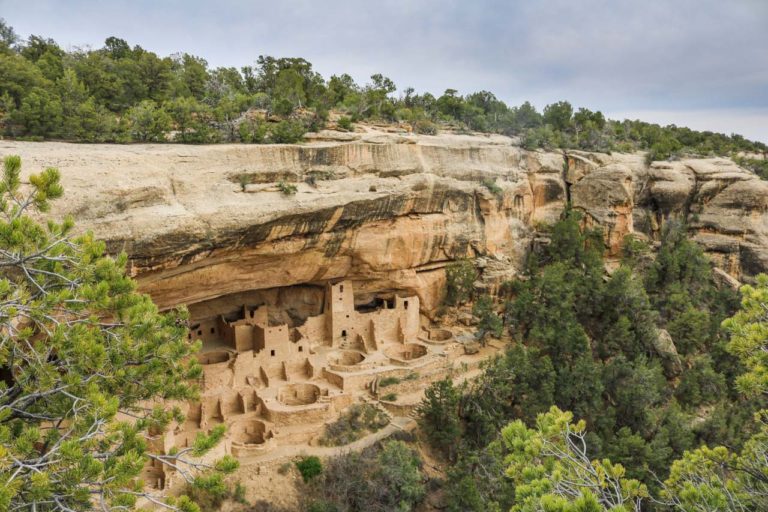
{"x":86,"y":366}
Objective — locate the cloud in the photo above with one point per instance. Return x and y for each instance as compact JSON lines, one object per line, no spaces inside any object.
{"x":615,"y":55}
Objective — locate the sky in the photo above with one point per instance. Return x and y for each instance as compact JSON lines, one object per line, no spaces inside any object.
{"x":697,"y":63}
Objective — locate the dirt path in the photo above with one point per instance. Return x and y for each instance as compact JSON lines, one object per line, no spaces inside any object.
{"x":398,"y":423}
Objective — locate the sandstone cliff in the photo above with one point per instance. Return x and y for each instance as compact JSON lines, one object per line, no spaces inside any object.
{"x":386,"y":211}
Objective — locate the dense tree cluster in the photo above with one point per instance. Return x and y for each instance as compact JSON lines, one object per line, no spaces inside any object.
{"x":381,"y":478}
{"x":89,"y":369}
{"x":597,"y":345}
{"x":123,"y":93}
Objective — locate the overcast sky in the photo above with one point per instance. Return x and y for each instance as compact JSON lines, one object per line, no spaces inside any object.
{"x":699,"y":63}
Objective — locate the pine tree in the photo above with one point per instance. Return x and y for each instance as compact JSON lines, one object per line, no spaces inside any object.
{"x":86,"y":363}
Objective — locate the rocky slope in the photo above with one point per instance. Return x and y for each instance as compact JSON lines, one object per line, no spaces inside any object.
{"x":387,"y":211}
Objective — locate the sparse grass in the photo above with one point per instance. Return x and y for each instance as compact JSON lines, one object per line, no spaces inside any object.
{"x":411,"y":376}
{"x":388,"y":381}
{"x":239,"y":494}
{"x":353,"y":424}
{"x":284,"y":468}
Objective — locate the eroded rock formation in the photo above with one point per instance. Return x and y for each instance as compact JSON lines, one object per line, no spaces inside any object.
{"x":201,"y":223}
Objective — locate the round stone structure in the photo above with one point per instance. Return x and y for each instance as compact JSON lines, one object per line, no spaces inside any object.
{"x":406,"y":353}
{"x":298,"y":394}
{"x":214,"y":357}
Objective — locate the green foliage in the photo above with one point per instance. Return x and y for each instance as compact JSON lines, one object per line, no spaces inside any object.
{"x":490,"y":322}
{"x":558,"y":115}
{"x":588,"y":341}
{"x":477,"y":481}
{"x":287,"y":132}
{"x":520,"y":384}
{"x":238,"y":494}
{"x":399,"y":472}
{"x":288,"y":189}
{"x":425,"y":127}
{"x":757,"y":165}
{"x":378,"y":479}
{"x":191,"y":119}
{"x":438,"y":417}
{"x":493,"y":188}
{"x":118,"y":78}
{"x":252,"y":131}
{"x":552,"y":471}
{"x":663,"y":150}
{"x":244,"y":179}
{"x":701,"y":384}
{"x":748,"y":330}
{"x":460,"y":278}
{"x":389,"y":381}
{"x":309,"y":467}
{"x":81,"y":353}
{"x":354,"y":423}
{"x":718,"y":479}
{"x":208,"y":494}
{"x":345,"y":123}
{"x":146,"y":122}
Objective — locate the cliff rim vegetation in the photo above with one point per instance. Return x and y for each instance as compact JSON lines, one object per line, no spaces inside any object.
{"x":124,"y":93}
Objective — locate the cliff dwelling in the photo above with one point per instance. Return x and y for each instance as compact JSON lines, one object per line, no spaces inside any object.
{"x":276,"y":376}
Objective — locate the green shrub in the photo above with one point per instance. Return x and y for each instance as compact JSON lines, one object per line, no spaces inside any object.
{"x":381,"y":477}
{"x":322,"y":506}
{"x":287,"y":132}
{"x":344,"y":123}
{"x":244,"y":180}
{"x":389,"y":397}
{"x":239,"y":493}
{"x":353,"y":424}
{"x":460,"y":279}
{"x":282,"y":107}
{"x":287,"y":189}
{"x":758,"y":166}
{"x":208,"y":493}
{"x":663,"y":150}
{"x":490,"y":184}
{"x":252,"y":131}
{"x":490,"y":322}
{"x":309,"y":467}
{"x":425,"y":127}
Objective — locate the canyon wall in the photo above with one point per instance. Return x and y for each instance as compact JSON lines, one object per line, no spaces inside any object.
{"x":203,"y":223}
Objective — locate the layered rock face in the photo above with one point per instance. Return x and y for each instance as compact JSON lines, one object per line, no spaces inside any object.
{"x":203,"y":223}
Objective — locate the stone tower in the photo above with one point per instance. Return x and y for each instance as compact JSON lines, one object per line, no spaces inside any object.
{"x":339,"y":312}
